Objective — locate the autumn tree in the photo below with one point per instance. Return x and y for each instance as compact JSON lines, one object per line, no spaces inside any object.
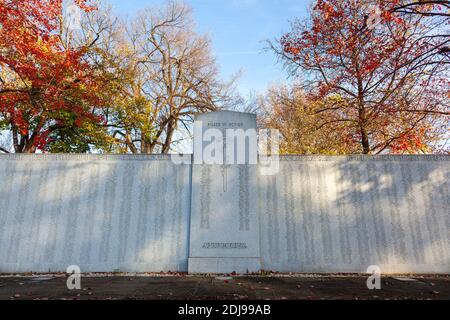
{"x":381,"y":79}
{"x":172,"y":76}
{"x":302,"y":126}
{"x":46,"y":88}
{"x":100,"y":34}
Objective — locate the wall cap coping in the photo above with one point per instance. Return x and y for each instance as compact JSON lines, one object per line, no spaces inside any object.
{"x":159,"y":157}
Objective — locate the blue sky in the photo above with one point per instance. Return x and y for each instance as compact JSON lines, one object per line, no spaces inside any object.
{"x":238,"y":29}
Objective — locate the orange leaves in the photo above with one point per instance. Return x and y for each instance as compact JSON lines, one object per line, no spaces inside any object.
{"x":389,"y":73}
{"x":337,"y":37}
{"x":410,"y":142}
{"x":84,"y":4}
{"x":50,"y":77}
{"x":289,"y":48}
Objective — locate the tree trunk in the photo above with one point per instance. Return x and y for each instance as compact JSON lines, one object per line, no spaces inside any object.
{"x":168,"y":142}
{"x":362,"y":116}
{"x":365,"y":141}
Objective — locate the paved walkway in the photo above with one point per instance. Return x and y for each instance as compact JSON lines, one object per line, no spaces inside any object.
{"x":305,"y":287}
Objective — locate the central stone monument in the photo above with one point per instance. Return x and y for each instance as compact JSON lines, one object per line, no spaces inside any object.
{"x":224,"y":233}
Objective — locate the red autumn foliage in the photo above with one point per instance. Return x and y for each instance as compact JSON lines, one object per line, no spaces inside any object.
{"x":46,"y":84}
{"x":377,"y":61}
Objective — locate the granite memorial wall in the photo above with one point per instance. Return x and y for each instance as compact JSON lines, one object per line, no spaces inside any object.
{"x":343,"y":214}
{"x":149,"y":213}
{"x":102,"y":213}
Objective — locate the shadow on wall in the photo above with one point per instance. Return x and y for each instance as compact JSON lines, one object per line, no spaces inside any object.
{"x":319,"y":214}
{"x":102,"y":213}
{"x":343,"y":214}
